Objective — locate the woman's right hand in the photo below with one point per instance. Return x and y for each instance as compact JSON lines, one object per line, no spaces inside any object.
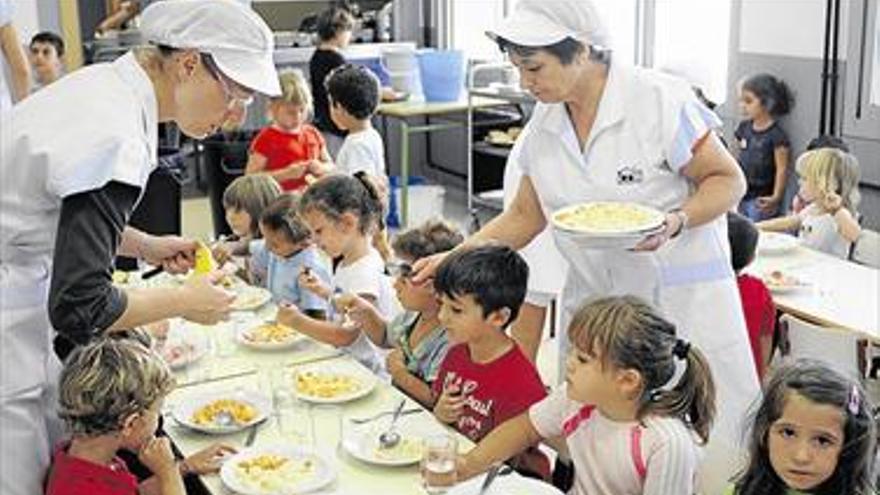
{"x":205,"y":301}
{"x":425,"y":268}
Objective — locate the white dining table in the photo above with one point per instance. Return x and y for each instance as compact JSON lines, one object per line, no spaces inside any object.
{"x":835,"y":293}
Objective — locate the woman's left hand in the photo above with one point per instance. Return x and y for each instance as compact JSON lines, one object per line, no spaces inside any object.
{"x":207,"y":460}
{"x":672,"y":226}
{"x":174,"y":253}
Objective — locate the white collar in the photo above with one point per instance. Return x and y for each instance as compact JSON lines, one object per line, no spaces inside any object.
{"x":134,"y":75}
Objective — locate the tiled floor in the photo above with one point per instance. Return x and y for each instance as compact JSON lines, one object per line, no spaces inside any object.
{"x":197,"y":224}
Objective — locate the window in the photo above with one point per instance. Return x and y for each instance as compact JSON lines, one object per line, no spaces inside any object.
{"x":470,"y":19}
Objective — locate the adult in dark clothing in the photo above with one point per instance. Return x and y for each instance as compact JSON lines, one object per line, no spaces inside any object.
{"x":334,"y":32}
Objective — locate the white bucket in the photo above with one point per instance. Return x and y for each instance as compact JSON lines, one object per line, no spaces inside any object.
{"x":407,"y":82}
{"x":399,"y":60}
{"x":425,"y":203}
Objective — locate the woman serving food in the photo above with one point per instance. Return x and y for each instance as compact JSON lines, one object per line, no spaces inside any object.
{"x":606,"y":132}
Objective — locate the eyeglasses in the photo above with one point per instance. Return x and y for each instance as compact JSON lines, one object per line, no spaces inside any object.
{"x":232,"y":100}
{"x":399,"y":269}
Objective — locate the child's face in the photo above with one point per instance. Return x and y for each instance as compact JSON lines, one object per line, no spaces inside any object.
{"x":464,"y":321}
{"x":288,"y":115}
{"x":141,"y":427}
{"x":45,"y":60}
{"x":239,"y":221}
{"x":588,"y":381}
{"x":807,"y":190}
{"x":414,"y":297}
{"x":278,"y":244}
{"x":331,"y":236}
{"x":805,"y":442}
{"x":750,"y":104}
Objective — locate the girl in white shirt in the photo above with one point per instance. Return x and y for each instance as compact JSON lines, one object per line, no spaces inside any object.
{"x":342,"y":212}
{"x":637,"y":404}
{"x":829,"y":182}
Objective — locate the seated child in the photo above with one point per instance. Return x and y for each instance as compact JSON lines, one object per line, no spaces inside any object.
{"x":418,"y":339}
{"x":284,"y":252}
{"x":244,"y":201}
{"x":290,"y":148}
{"x":829,"y":182}
{"x":111,"y":393}
{"x":342,"y":212}
{"x":485,"y":378}
{"x":46,"y":49}
{"x":821,"y":141}
{"x":636,"y":402}
{"x":757,"y":303}
{"x":814,"y":432}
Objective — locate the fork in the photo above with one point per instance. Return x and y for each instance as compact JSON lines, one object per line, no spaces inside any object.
{"x":405,"y":412}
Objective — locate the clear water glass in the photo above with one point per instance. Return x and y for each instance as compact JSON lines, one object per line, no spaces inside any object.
{"x":438,"y":462}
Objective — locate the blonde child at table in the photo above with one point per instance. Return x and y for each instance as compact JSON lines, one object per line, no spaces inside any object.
{"x":636,"y":404}
{"x":829,"y":182}
{"x":342,"y":212}
{"x":286,"y":250}
{"x":243,"y":202}
{"x":111,"y":394}
{"x":814,"y":432}
{"x":418,"y":339}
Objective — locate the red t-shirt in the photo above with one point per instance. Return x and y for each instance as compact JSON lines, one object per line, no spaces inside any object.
{"x":281,"y":148}
{"x":494,"y":392}
{"x":73,"y":476}
{"x":760,"y":313}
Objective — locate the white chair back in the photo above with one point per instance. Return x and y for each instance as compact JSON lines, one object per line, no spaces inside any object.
{"x":867,"y":249}
{"x":837,"y":348}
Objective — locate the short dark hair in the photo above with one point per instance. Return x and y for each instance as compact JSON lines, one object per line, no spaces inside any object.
{"x":743,"y":237}
{"x":432,"y":237}
{"x":336,"y":194}
{"x":827,"y":141}
{"x":334,"y":21}
{"x":50,"y":38}
{"x":494,"y":275}
{"x":354,"y":87}
{"x":281,"y":216}
{"x":565,"y":50}
{"x":774,"y":93}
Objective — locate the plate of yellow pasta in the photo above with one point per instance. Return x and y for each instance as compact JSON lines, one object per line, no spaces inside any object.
{"x":222,"y":411}
{"x":606,"y":224}
{"x":277,"y":470}
{"x":269,"y":336}
{"x":362,"y":440}
{"x":333,"y":383}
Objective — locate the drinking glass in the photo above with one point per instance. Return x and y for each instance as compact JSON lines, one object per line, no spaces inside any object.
{"x":438,"y":462}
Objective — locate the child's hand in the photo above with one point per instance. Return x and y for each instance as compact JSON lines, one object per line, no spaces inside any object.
{"x":221,"y":252}
{"x":207,"y":460}
{"x":767,"y":204}
{"x":358,"y":309}
{"x":312,"y":283}
{"x":289,"y":315}
{"x":295,"y":170}
{"x":832,"y":202}
{"x":450,"y":405}
{"x":316,"y":167}
{"x":156,"y":454}
{"x":395,"y":363}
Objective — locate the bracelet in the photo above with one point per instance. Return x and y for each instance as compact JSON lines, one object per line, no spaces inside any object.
{"x":682,"y":222}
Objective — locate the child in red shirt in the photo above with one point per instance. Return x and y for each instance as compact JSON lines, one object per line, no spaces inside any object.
{"x":290,"y":148}
{"x":758,"y":307}
{"x":485,"y":379}
{"x":111,"y":394}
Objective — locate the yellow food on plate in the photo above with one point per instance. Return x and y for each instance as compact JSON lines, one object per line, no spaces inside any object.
{"x":271,"y":473}
{"x":241,"y":412}
{"x":270,"y":333}
{"x":608,"y":217}
{"x":250,"y":298}
{"x":326,"y":385}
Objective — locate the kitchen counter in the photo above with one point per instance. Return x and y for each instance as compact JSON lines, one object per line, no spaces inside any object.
{"x":355,"y":51}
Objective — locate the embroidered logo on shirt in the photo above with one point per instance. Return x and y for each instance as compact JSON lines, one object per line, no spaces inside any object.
{"x":630,"y":175}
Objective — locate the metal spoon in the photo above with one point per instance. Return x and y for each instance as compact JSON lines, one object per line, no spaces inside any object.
{"x":224,"y":419}
{"x":389,"y":438}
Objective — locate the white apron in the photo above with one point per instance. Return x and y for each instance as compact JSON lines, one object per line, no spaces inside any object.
{"x":641,"y":138}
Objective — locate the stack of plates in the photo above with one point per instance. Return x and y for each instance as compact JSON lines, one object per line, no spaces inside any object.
{"x":606,"y":224}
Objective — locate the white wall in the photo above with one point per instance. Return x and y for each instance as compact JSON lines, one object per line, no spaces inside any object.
{"x":26,"y":19}
{"x":793,"y":28}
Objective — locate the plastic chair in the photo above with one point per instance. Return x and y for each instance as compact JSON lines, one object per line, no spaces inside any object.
{"x":866,"y":250}
{"x":837,"y":348}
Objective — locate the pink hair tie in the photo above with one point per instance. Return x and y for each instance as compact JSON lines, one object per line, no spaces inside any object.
{"x":854,"y":401}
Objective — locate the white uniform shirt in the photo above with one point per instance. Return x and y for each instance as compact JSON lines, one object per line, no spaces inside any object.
{"x":6,"y":10}
{"x":819,"y":231}
{"x":96,"y":125}
{"x":661,"y":459}
{"x":362,"y":151}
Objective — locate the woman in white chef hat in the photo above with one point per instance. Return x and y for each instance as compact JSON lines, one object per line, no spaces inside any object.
{"x":74,"y":160}
{"x":603,"y":130}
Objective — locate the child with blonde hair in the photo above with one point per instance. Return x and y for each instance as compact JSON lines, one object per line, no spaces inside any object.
{"x":290,"y":148}
{"x":637,"y":404}
{"x":829,"y":182}
{"x":111,"y":393}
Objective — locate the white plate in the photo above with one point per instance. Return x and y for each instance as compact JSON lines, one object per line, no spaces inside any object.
{"x":321,"y":474}
{"x":242,"y":339}
{"x":776,"y":243}
{"x":511,"y":484}
{"x":591,"y":241}
{"x":174,"y":352}
{"x":649,"y":219}
{"x":362,"y":441}
{"x":184,"y":411}
{"x":366,"y":381}
{"x":250,"y":298}
{"x":790,"y":283}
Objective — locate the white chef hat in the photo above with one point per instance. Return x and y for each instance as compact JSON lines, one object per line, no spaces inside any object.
{"x":238,"y":40}
{"x":537,"y":23}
